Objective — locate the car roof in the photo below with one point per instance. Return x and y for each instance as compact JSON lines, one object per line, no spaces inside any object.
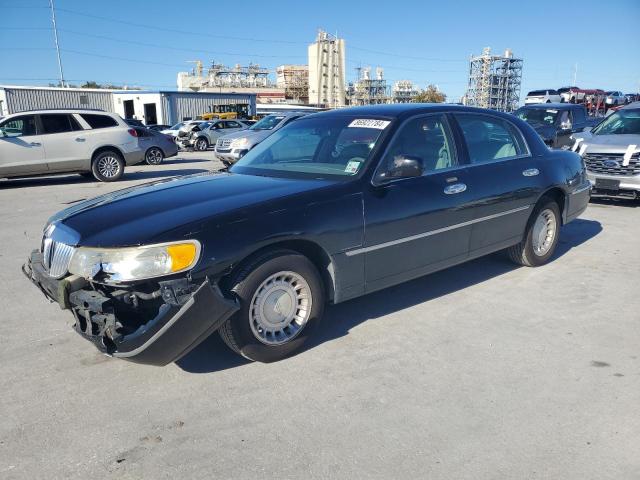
{"x":64,"y":110}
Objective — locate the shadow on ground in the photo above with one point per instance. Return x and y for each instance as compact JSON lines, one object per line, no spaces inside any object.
{"x":616,"y":201}
{"x":137,"y":174}
{"x":213,"y":355}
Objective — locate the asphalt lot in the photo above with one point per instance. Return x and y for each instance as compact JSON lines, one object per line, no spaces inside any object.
{"x":482,"y":371}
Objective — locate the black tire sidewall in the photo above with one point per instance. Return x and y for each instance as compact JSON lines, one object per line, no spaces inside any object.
{"x":537,"y":260}
{"x":98,"y":175}
{"x":248,"y":345}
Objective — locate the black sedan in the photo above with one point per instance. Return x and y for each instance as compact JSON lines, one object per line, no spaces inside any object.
{"x":334,"y":206}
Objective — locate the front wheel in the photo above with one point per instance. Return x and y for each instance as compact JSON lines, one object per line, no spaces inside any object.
{"x":281,"y":303}
{"x":107,"y":166}
{"x":201,"y":144}
{"x":154,"y":156}
{"x":541,"y":236}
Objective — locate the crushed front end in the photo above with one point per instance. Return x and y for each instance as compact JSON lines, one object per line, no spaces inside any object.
{"x":154,"y":321}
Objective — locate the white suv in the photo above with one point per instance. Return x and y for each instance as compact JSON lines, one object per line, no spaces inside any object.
{"x":89,"y":142}
{"x":542,"y":96}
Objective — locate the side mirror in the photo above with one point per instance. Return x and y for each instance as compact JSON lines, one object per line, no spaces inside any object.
{"x":565,"y":125}
{"x":405,"y":166}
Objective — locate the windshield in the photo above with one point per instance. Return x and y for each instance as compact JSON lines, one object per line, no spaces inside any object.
{"x":315,"y":148}
{"x":177,"y":126}
{"x":547,"y":116}
{"x":623,"y":122}
{"x":267,"y":123}
{"x":537,"y":93}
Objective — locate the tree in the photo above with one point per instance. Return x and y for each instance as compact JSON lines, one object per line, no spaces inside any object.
{"x":430,"y":95}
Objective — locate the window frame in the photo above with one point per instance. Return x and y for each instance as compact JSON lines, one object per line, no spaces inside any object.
{"x":462,"y":160}
{"x":70,"y":117}
{"x":117,"y":124}
{"x":463,"y":139}
{"x":36,"y":124}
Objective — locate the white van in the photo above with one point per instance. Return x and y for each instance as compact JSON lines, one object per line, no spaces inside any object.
{"x":90,"y":142}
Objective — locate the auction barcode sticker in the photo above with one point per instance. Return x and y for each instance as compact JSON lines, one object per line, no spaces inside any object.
{"x":369,"y":123}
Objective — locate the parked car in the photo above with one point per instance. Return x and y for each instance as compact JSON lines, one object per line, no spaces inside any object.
{"x":89,"y":142}
{"x":184,"y":133}
{"x":134,"y":122}
{"x":333,"y":206}
{"x":207,"y":134}
{"x":556,"y":122}
{"x":542,"y":96}
{"x":632,"y":97}
{"x":566,"y":93}
{"x":230,"y":148}
{"x":611,"y":152}
{"x":156,"y":146}
{"x":158,"y":127}
{"x":615,"y":98}
{"x":173,"y":130}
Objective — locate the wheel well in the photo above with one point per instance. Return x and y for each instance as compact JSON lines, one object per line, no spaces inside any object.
{"x":558,"y":196}
{"x":107,"y":149}
{"x":314,"y":252}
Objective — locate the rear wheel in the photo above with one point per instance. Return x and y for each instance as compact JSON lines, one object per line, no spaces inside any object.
{"x":107,"y":166}
{"x":282,"y":301}
{"x":154,"y":156}
{"x":541,"y":237}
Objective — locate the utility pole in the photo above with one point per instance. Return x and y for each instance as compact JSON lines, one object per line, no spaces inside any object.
{"x":575,"y":74}
{"x":55,"y":37}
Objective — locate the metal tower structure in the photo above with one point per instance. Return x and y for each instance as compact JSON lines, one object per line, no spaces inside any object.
{"x":367,"y":90}
{"x":494,"y":81}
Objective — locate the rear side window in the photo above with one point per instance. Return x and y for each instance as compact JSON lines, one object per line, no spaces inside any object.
{"x":537,"y":93}
{"x":99,"y":121}
{"x":490,"y":139}
{"x":58,"y":123}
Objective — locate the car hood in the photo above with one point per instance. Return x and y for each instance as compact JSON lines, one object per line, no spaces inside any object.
{"x":610,"y":143}
{"x":175,"y":206}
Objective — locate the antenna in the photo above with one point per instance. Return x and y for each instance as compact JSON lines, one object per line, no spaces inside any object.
{"x":55,"y":37}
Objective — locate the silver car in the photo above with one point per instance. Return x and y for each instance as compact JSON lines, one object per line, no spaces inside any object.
{"x":611,"y":152}
{"x":207,"y":134}
{"x":232,"y":147}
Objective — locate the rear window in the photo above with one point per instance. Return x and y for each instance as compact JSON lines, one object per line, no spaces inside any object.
{"x":537,"y":93}
{"x":99,"y":121}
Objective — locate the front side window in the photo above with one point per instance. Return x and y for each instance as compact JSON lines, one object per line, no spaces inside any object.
{"x":489,"y":138}
{"x":233,"y":125}
{"x":58,"y":123}
{"x":427,"y":140}
{"x":315,"y":148}
{"x":620,"y":123}
{"x":98,"y":121}
{"x":19,"y":127}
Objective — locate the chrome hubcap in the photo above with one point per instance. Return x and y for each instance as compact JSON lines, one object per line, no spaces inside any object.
{"x":154,"y":156}
{"x":280,"y":308}
{"x":108,"y":166}
{"x":202,"y":145}
{"x":544,"y":232}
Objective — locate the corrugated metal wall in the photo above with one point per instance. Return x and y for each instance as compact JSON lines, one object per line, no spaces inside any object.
{"x":184,"y":105}
{"x":21,"y":99}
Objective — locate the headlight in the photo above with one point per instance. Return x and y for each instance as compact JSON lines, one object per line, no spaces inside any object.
{"x":135,"y":263}
{"x":240,"y":142}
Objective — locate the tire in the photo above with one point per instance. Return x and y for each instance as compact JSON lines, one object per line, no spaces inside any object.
{"x":107,"y":166}
{"x":257,"y":286}
{"x":201,"y":144}
{"x":154,"y":156}
{"x":529,"y":251}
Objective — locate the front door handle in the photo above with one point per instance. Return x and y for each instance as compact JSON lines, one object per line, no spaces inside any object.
{"x":455,"y":188}
{"x":531,"y":172}
{"x":80,"y":139}
{"x":35,"y":144}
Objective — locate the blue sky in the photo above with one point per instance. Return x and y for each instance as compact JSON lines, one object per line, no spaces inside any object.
{"x":426,"y":42}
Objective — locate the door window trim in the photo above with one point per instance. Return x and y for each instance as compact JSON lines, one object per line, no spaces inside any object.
{"x":495,"y":160}
{"x":454,"y":141}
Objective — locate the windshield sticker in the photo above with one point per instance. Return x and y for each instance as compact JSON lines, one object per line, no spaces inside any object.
{"x":552,"y":111}
{"x":369,"y":123}
{"x":352,"y":167}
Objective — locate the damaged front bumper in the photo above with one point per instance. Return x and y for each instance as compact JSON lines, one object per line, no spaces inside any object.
{"x":154,"y":327}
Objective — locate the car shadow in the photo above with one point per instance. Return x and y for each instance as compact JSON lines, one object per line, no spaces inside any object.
{"x":213,"y":355}
{"x":75,"y":179}
{"x":616,"y":201}
{"x":181,"y":161}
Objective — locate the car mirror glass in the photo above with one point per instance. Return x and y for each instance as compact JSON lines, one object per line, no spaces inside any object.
{"x":404,"y":166}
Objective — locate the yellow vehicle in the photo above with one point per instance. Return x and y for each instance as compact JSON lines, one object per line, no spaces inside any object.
{"x":218,"y":116}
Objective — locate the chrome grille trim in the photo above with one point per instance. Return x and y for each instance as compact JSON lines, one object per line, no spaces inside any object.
{"x":223,"y":143}
{"x":56,"y":257}
{"x":595,"y":163}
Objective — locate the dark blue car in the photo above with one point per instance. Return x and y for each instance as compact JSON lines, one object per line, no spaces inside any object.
{"x":335,"y":205}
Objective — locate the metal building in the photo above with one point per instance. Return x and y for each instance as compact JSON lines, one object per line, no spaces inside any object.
{"x":327,"y":71}
{"x":170,"y":107}
{"x":494,"y":81}
{"x":15,"y":98}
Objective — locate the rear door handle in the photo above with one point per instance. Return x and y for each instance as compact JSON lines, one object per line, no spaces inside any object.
{"x":455,"y":188}
{"x":35,"y":144}
{"x":531,"y":172}
{"x":80,"y":139}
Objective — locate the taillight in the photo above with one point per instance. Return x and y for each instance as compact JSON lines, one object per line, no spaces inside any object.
{"x":132,"y":132}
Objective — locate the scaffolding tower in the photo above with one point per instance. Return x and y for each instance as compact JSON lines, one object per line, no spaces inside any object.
{"x":404,"y":91}
{"x":367,"y":90}
{"x":494,"y":81}
{"x":295,"y":81}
